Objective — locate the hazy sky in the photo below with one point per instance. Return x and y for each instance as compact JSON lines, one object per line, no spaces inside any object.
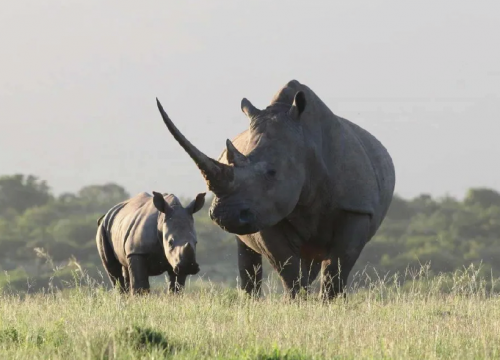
{"x":78,"y":81}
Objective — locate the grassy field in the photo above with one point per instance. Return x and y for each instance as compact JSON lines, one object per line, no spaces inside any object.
{"x":453,"y":317}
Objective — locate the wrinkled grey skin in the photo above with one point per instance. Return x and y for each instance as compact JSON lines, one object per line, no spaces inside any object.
{"x":303,"y":187}
{"x":146,"y":236}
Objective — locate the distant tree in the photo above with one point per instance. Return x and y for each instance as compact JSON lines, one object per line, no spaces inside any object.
{"x":99,"y":198}
{"x":20,"y":192}
{"x":399,"y":209}
{"x":482,"y":196}
{"x":9,"y":240}
{"x":34,"y":222}
{"x":67,"y":198}
{"x":423,"y":204}
{"x":77,"y":230}
{"x":447,"y":232}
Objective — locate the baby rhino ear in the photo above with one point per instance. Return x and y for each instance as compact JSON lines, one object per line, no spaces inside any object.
{"x":197,"y":203}
{"x":160,"y":204}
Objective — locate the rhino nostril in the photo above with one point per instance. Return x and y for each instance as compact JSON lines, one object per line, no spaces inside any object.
{"x":246,"y":216}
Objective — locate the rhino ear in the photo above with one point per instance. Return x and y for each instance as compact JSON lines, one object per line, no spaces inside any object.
{"x":197,"y":203}
{"x":249,"y":110}
{"x":298,"y":106}
{"x":160,"y":204}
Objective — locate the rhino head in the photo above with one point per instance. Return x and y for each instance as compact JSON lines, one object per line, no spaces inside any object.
{"x":179,"y":235}
{"x":260,"y":185}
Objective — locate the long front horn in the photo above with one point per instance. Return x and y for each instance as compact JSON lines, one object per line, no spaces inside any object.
{"x":217,"y":175}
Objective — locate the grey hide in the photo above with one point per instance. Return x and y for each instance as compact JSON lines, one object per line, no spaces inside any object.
{"x":146,"y":236}
{"x":302,"y":186}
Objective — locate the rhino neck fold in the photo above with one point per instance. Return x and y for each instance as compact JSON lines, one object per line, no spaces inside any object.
{"x":159,"y":227}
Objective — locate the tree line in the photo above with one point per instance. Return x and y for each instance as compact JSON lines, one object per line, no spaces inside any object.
{"x":43,"y":237}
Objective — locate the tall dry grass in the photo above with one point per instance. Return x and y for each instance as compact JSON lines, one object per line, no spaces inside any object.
{"x":454,"y":316}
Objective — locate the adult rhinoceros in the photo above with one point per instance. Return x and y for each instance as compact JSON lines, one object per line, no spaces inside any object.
{"x":302,"y":186}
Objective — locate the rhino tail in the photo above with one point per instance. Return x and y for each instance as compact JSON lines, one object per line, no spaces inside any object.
{"x":106,"y":253}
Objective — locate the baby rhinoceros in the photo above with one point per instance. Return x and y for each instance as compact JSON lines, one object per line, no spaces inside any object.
{"x":146,"y":236}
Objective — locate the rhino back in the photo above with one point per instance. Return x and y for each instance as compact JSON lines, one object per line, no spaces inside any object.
{"x":376,"y":171}
{"x":359,"y":168}
{"x":132,"y":227}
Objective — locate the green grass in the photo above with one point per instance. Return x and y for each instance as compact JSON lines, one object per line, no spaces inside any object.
{"x":444,"y":317}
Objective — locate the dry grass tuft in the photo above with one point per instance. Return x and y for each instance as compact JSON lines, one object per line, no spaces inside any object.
{"x":444,"y":317}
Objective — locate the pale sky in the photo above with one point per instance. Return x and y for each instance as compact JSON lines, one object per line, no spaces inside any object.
{"x":78,"y":82}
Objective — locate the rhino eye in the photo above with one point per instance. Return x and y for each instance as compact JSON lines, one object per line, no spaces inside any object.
{"x":271,"y":173}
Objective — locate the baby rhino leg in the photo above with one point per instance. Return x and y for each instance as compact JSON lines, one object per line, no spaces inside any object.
{"x":138,"y":271}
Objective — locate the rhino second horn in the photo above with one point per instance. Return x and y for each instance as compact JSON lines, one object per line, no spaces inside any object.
{"x":234,"y":156}
{"x":249,"y":110}
{"x":217,"y":175}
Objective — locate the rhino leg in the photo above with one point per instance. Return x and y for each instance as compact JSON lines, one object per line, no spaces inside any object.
{"x":116,"y":278}
{"x":282,"y":245}
{"x":138,"y":270}
{"x":351,"y":234}
{"x":310,"y":270}
{"x":293,"y":275}
{"x":250,"y":269}
{"x":109,"y":261}
{"x":126,"y":279}
{"x":177,"y":282}
{"x":297,"y":274}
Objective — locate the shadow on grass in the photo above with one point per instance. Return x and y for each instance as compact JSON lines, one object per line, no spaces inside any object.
{"x":144,"y":338}
{"x":278,"y":354}
{"x":133,"y":340}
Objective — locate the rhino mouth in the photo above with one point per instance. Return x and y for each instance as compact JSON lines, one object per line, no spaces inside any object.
{"x":187,"y":269}
{"x":240,"y":230}
{"x":235,"y":221}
